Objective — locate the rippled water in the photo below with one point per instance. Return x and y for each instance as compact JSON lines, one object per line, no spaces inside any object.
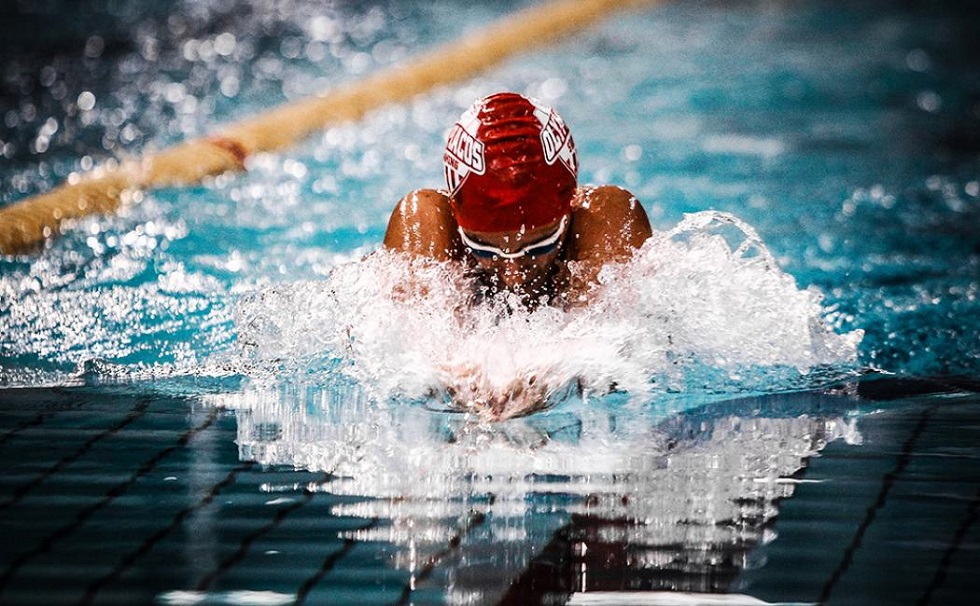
{"x":860,"y":179}
{"x":813,"y":175}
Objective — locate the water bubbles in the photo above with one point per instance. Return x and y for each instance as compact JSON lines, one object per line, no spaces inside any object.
{"x":44,"y":134}
{"x":129,"y":134}
{"x":366,"y":28}
{"x":632,"y":153}
{"x":321,"y":28}
{"x":94,"y":46}
{"x":918,"y":60}
{"x":269,"y":67}
{"x":174,"y":92}
{"x":230,"y":86}
{"x":28,"y":112}
{"x":294,"y":169}
{"x":316,"y":51}
{"x":291,"y":47}
{"x":325,"y":185}
{"x":826,"y":242}
{"x":359,"y":63}
{"x":85,"y":101}
{"x":224,"y":44}
{"x":929,"y":101}
{"x":743,"y":145}
{"x":412,"y":153}
{"x":387,"y":52}
{"x":874,"y":197}
{"x":552,"y":89}
{"x":149,"y":50}
{"x":48,"y":76}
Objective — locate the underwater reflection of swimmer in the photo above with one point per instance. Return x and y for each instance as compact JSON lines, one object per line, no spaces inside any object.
{"x":512,"y":212}
{"x":556,"y":503}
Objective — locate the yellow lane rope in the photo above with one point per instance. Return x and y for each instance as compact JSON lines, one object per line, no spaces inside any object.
{"x":26,"y":223}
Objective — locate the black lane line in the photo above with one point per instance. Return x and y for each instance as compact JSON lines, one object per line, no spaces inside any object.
{"x":972,"y":515}
{"x":548,"y":575}
{"x":138,"y":411}
{"x":328,"y":563}
{"x":246,"y":544}
{"x":887,"y":482}
{"x":84,"y":514}
{"x":33,"y":422}
{"x":149,"y":543}
{"x":474,"y":519}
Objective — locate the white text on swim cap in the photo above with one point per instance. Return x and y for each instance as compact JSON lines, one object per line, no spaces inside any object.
{"x":556,"y":139}
{"x":464,"y":154}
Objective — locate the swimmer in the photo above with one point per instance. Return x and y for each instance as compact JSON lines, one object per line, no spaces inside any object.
{"x":512,"y":211}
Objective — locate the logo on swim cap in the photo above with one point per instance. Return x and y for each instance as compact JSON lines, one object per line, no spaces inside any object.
{"x":464,"y":152}
{"x":556,"y":139}
{"x":510,"y":163}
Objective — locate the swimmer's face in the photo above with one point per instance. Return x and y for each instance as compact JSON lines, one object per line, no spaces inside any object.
{"x":518,"y":261}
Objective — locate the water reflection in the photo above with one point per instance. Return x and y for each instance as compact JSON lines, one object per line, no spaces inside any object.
{"x":592,"y":495}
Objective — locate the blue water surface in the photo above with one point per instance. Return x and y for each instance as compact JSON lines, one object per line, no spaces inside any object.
{"x":846,"y":137}
{"x":148,"y":456}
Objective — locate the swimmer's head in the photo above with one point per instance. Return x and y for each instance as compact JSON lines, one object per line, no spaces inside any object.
{"x":510,"y":165}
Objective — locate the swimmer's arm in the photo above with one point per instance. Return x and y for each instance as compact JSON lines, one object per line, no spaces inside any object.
{"x":610,"y":224}
{"x":423,"y":224}
{"x":471,"y":390}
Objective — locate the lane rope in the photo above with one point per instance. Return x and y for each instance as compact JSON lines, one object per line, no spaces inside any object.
{"x":27,"y":223}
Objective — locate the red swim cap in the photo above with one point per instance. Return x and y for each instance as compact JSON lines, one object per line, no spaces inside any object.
{"x":510,"y":163}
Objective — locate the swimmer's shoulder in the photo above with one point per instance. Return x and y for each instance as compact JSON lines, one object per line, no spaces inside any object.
{"x":427,"y":203}
{"x":608,"y":224}
{"x":610,"y":202}
{"x":423,"y":223}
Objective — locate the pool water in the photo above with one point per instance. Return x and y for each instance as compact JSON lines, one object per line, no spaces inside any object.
{"x":209,"y":398}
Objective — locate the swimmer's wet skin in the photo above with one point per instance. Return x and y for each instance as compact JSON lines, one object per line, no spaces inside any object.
{"x":513,"y":214}
{"x":512,"y":210}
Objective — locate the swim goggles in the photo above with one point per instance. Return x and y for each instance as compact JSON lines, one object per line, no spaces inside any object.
{"x":534,"y":249}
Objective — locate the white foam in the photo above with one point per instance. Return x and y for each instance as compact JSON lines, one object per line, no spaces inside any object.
{"x":231,"y":598}
{"x":703,"y":306}
{"x":663,"y":598}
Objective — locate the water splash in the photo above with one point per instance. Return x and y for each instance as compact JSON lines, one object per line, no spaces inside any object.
{"x":701,"y":307}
